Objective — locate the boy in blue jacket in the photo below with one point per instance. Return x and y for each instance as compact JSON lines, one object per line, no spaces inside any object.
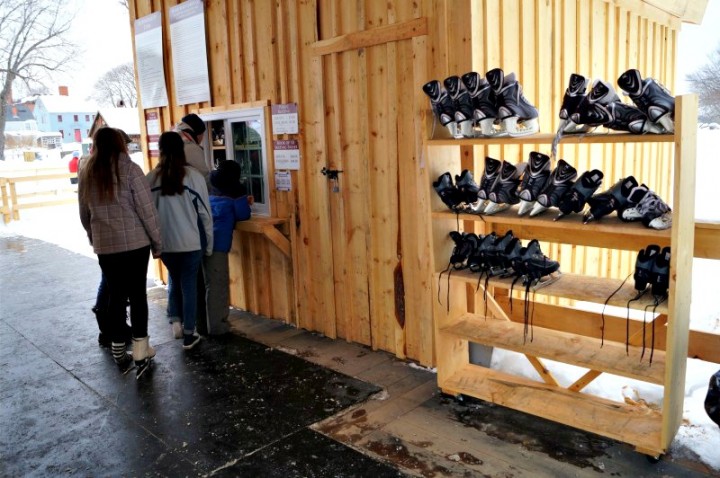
{"x":229,"y":204}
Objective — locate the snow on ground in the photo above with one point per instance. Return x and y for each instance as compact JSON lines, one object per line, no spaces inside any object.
{"x":698,"y":434}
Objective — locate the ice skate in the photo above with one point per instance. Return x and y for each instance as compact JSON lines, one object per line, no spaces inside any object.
{"x":442,"y":105}
{"x":447,"y":191}
{"x":477,"y":262}
{"x":583,"y":189}
{"x":465,"y":183}
{"x":650,"y":97}
{"x":661,"y":222}
{"x":504,"y":192}
{"x":518,"y":115}
{"x":539,"y":269}
{"x":490,"y":175}
{"x":534,"y":180}
{"x":465,"y":244}
{"x":646,"y":206}
{"x":661,"y":274}
{"x":485,"y":105}
{"x":614,"y":199}
{"x":561,"y":180}
{"x":574,"y":95}
{"x":462,"y":104}
{"x":643,"y":266}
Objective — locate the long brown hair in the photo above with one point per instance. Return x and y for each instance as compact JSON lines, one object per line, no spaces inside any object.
{"x":102,"y":165}
{"x":171,"y":168}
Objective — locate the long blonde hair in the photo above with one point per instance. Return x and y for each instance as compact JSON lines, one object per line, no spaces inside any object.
{"x":102,"y":165}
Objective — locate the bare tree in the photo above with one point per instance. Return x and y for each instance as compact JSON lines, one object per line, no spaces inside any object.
{"x":33,"y":43}
{"x":705,"y":83}
{"x":117,"y":87}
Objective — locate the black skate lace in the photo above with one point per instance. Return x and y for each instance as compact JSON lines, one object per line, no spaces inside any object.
{"x":658,"y":300}
{"x":602,"y":314}
{"x":627,"y":320}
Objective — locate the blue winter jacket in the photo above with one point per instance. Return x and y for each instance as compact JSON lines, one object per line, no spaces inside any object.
{"x":225,"y":212}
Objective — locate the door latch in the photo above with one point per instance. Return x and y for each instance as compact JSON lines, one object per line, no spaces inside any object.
{"x":332,"y":175}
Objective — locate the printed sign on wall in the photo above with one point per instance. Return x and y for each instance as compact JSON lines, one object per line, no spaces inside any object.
{"x":284,"y":118}
{"x":287,"y":154}
{"x":149,"y":53}
{"x":189,"y":52}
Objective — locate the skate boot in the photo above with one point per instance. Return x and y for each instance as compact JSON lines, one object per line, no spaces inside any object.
{"x":534,"y":180}
{"x":485,"y":105}
{"x":143,"y":353}
{"x":442,"y":105}
{"x":650,"y":97}
{"x":490,"y":175}
{"x":462,"y":104}
{"x":561,"y":180}
{"x":614,"y":199}
{"x":497,"y":260}
{"x":644,"y":266}
{"x":574,"y":200}
{"x":518,"y":115}
{"x":574,"y":95}
{"x":467,"y":187}
{"x":592,"y":111}
{"x":646,"y":206}
{"x":447,"y":191}
{"x":465,"y":244}
{"x":477,"y":262}
{"x":661,"y":274}
{"x":504,"y":192}
{"x":539,"y":269}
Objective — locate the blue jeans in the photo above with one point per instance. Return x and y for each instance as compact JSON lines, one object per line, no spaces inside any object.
{"x":182,"y":287}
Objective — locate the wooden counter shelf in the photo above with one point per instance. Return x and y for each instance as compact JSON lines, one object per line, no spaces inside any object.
{"x":268,"y":226}
{"x":608,"y":232}
{"x":561,"y":346}
{"x":573,"y":286}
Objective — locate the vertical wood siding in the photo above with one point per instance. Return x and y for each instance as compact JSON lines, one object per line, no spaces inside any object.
{"x":361,"y":267}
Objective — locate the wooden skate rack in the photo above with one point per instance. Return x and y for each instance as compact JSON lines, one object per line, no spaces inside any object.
{"x":464,"y":313}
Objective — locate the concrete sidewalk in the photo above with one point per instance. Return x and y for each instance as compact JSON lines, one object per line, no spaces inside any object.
{"x":268,"y":400}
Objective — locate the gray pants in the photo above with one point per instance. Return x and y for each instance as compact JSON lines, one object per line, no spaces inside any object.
{"x":217,"y":292}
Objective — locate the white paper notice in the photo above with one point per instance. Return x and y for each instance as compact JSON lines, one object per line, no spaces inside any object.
{"x":283,"y":181}
{"x":149,"y":53}
{"x":189,"y":53}
{"x":284,"y":118}
{"x":287,"y":154}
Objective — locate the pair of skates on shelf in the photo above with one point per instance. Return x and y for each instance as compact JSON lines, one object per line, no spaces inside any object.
{"x":472,"y":106}
{"x":583,"y":110}
{"x":536,"y":189}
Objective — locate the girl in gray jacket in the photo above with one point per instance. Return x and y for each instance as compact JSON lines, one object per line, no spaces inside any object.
{"x":181,"y":198}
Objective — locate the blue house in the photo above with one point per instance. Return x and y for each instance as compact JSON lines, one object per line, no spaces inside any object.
{"x":71,"y":117}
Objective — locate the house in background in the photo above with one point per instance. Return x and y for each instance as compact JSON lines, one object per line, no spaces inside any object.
{"x":126,"y":119}
{"x":19,"y":117}
{"x":71,"y":117}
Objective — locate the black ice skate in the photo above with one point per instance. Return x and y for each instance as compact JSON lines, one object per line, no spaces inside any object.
{"x":534,"y":180}
{"x":614,"y":199}
{"x":574,"y":95}
{"x":539,"y":269}
{"x":504,"y":192}
{"x":467,"y":187}
{"x":463,"y":106}
{"x":661,"y":274}
{"x":583,"y":189}
{"x":651,"y":97}
{"x":644,"y":265}
{"x":447,"y":191}
{"x":485,"y":105}
{"x":561,"y":180}
{"x":518,"y":115}
{"x":490,"y":175}
{"x":442,"y":105}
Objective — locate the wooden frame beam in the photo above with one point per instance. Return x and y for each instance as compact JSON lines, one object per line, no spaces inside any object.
{"x":372,"y":37}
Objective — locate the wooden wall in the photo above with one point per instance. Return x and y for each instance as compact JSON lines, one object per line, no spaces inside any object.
{"x":361,"y":267}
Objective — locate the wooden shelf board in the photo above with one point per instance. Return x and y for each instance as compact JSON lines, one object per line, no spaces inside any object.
{"x":562,"y":347}
{"x":547,"y":138}
{"x":576,"y":287}
{"x":607,"y":232}
{"x":218,"y":148}
{"x":638,"y":426}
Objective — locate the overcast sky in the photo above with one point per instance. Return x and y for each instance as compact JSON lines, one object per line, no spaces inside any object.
{"x":102,"y":29}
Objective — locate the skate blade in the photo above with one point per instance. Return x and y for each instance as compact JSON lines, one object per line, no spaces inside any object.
{"x":525,"y":207}
{"x":466,"y":129}
{"x":546,"y":280}
{"x":571,"y":127}
{"x":476,"y":208}
{"x":452,"y":127}
{"x":517,"y":128}
{"x":667,"y":123}
{"x":488,"y":129}
{"x":494,"y":208}
{"x":537,"y":209}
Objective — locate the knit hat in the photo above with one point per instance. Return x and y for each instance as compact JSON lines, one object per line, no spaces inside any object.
{"x":194,"y":121}
{"x":225,"y":180}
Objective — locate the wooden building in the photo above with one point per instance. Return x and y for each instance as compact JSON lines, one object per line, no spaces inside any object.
{"x":352,"y":259}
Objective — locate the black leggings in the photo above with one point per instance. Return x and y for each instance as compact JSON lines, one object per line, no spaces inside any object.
{"x":126,"y":275}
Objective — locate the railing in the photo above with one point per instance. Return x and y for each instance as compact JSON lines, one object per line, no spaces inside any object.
{"x":51,"y":189}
